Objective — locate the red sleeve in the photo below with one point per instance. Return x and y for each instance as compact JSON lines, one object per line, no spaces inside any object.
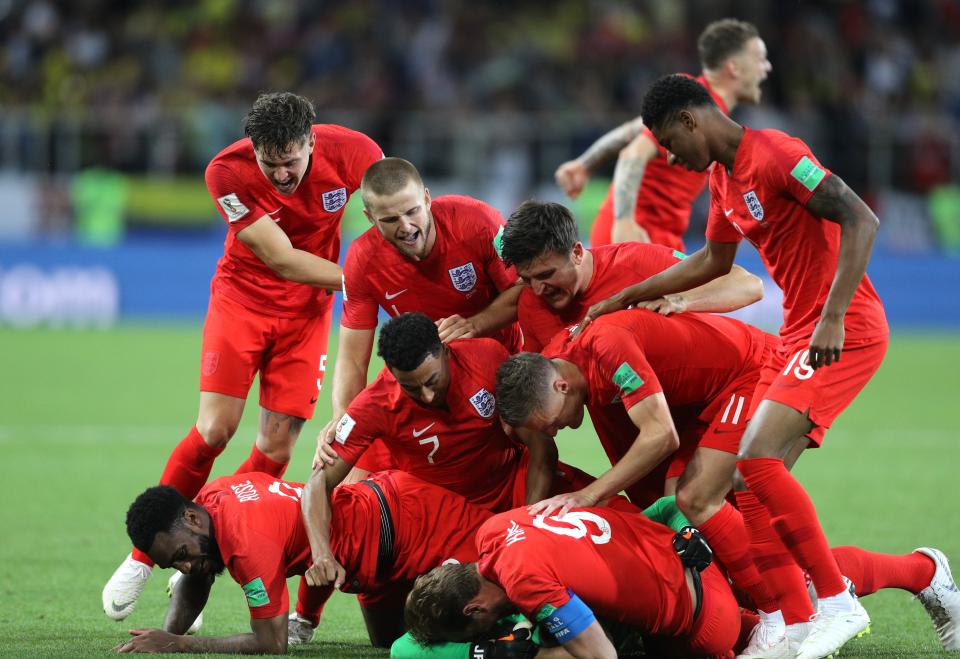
{"x":619,"y":365}
{"x":359,"y":306}
{"x":789,"y":165}
{"x":719,"y":228}
{"x":492,"y":227}
{"x":358,"y":427}
{"x":648,"y":259}
{"x":258,"y":565}
{"x":232,"y":198}
{"x":359,"y":153}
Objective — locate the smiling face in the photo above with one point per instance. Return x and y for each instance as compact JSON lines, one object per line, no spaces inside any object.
{"x":404,"y":219}
{"x":555,"y":278}
{"x":188,"y":546}
{"x":285,"y":170}
{"x":427,"y":383}
{"x":683,"y":137}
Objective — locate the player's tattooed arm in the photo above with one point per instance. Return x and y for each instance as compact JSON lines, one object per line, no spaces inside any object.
{"x":572,"y":175}
{"x":627,"y":177}
{"x":833,"y":200}
{"x":187,"y":600}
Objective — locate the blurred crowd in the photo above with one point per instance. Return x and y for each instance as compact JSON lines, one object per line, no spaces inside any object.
{"x":140,"y":85}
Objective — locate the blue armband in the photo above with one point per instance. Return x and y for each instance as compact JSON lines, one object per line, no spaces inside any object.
{"x":568,"y":621}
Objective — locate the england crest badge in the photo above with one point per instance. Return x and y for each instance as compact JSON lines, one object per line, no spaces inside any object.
{"x":753,"y":205}
{"x":334,"y":200}
{"x":484,"y":403}
{"x":464,"y":277}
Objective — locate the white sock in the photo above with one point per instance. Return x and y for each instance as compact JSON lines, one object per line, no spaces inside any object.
{"x":774,"y":622}
{"x":842,"y":601}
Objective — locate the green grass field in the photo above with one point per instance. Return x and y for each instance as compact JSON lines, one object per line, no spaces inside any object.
{"x":87,"y":420}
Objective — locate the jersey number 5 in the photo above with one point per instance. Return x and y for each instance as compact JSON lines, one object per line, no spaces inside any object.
{"x":436,"y":444}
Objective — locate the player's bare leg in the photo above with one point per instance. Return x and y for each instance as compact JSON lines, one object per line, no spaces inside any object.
{"x":771,"y":435}
{"x":187,"y":470}
{"x":276,"y":436}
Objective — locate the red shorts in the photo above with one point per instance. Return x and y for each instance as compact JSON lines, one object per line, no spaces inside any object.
{"x":289,"y":353}
{"x":721,"y":425}
{"x":601,"y":233}
{"x":822,"y":394}
{"x":716,"y":629}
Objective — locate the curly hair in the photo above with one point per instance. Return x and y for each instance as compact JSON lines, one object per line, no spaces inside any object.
{"x":536,"y":228}
{"x":434,"y":608}
{"x":157,"y":509}
{"x":669,"y":95}
{"x":278,"y":121}
{"x":723,"y":39}
{"x":523,"y":381}
{"x":405,"y":341}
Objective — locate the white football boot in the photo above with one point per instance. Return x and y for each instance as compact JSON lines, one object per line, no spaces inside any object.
{"x":299,"y":630}
{"x":768,"y":640}
{"x":122,"y":591}
{"x":831,"y":627}
{"x":171,"y":585}
{"x":942,"y":600}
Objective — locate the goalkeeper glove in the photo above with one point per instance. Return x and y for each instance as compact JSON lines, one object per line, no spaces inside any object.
{"x":692,"y":548}
{"x":515,"y":645}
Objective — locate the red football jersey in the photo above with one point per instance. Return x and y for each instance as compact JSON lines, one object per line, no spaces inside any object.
{"x":667,"y":192}
{"x":614,"y":268}
{"x":621,"y":565}
{"x":462,"y":448}
{"x":691,"y":358}
{"x":763,"y":199}
{"x":310,"y":217}
{"x":462,"y":275}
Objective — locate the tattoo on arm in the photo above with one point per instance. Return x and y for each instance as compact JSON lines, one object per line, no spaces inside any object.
{"x":626,"y":185}
{"x":611,"y":143}
{"x":835,"y":201}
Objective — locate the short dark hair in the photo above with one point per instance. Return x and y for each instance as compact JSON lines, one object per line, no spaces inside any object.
{"x":157,"y":509}
{"x":278,"y":121}
{"x":434,"y":608}
{"x":669,"y":95}
{"x":536,"y":228}
{"x":523,"y":381}
{"x":386,"y":177}
{"x":722,"y":39}
{"x":405,"y":341}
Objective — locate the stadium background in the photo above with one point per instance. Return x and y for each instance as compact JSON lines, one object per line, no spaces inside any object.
{"x":110,"y":110}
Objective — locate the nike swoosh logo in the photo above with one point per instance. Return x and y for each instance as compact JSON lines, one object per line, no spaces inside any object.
{"x":119,"y":607}
{"x":272,"y":213}
{"x":727,"y":212}
{"x":417,"y":433}
{"x":390,"y":296}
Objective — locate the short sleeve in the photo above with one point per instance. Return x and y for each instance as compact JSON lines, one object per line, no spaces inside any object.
{"x":259,"y":569}
{"x":620,"y":365}
{"x":492,"y":224}
{"x":360,"y":153}
{"x":357,"y":429}
{"x":719,"y":228}
{"x":789,"y":165}
{"x":232,"y":198}
{"x":648,"y":259}
{"x":524,"y":573}
{"x":360,"y":308}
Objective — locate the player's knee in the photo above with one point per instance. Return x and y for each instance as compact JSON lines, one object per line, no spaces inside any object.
{"x":696,"y":503}
{"x":279,"y":453}
{"x":216,"y":432}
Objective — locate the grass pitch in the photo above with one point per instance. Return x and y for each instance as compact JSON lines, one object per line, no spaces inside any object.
{"x":88,"y":418}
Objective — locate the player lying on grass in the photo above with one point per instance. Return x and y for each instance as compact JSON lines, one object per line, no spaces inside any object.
{"x":435,"y":256}
{"x":565,"y":572}
{"x":281,"y":191}
{"x":384,"y":532}
{"x":815,"y":235}
{"x":649,"y":200}
{"x":563,"y":278}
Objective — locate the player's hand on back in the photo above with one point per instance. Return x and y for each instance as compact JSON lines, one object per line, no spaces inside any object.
{"x":613,"y":303}
{"x":561,"y":504}
{"x":456,"y":327}
{"x":826,"y":343}
{"x":150,"y":640}
{"x":325,"y":455}
{"x":666,"y":305}
{"x":571,"y":176}
{"x":325,"y":570}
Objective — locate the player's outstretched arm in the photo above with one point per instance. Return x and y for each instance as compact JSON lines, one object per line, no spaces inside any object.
{"x":706,"y":264}
{"x":272,"y":246}
{"x":833,"y":200}
{"x":349,"y":379}
{"x":187,"y":600}
{"x":541,"y":465}
{"x":269,"y":637}
{"x":499,"y":313}
{"x":572,"y":175}
{"x":734,"y":290}
{"x":315,"y":506}
{"x":627,"y":177}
